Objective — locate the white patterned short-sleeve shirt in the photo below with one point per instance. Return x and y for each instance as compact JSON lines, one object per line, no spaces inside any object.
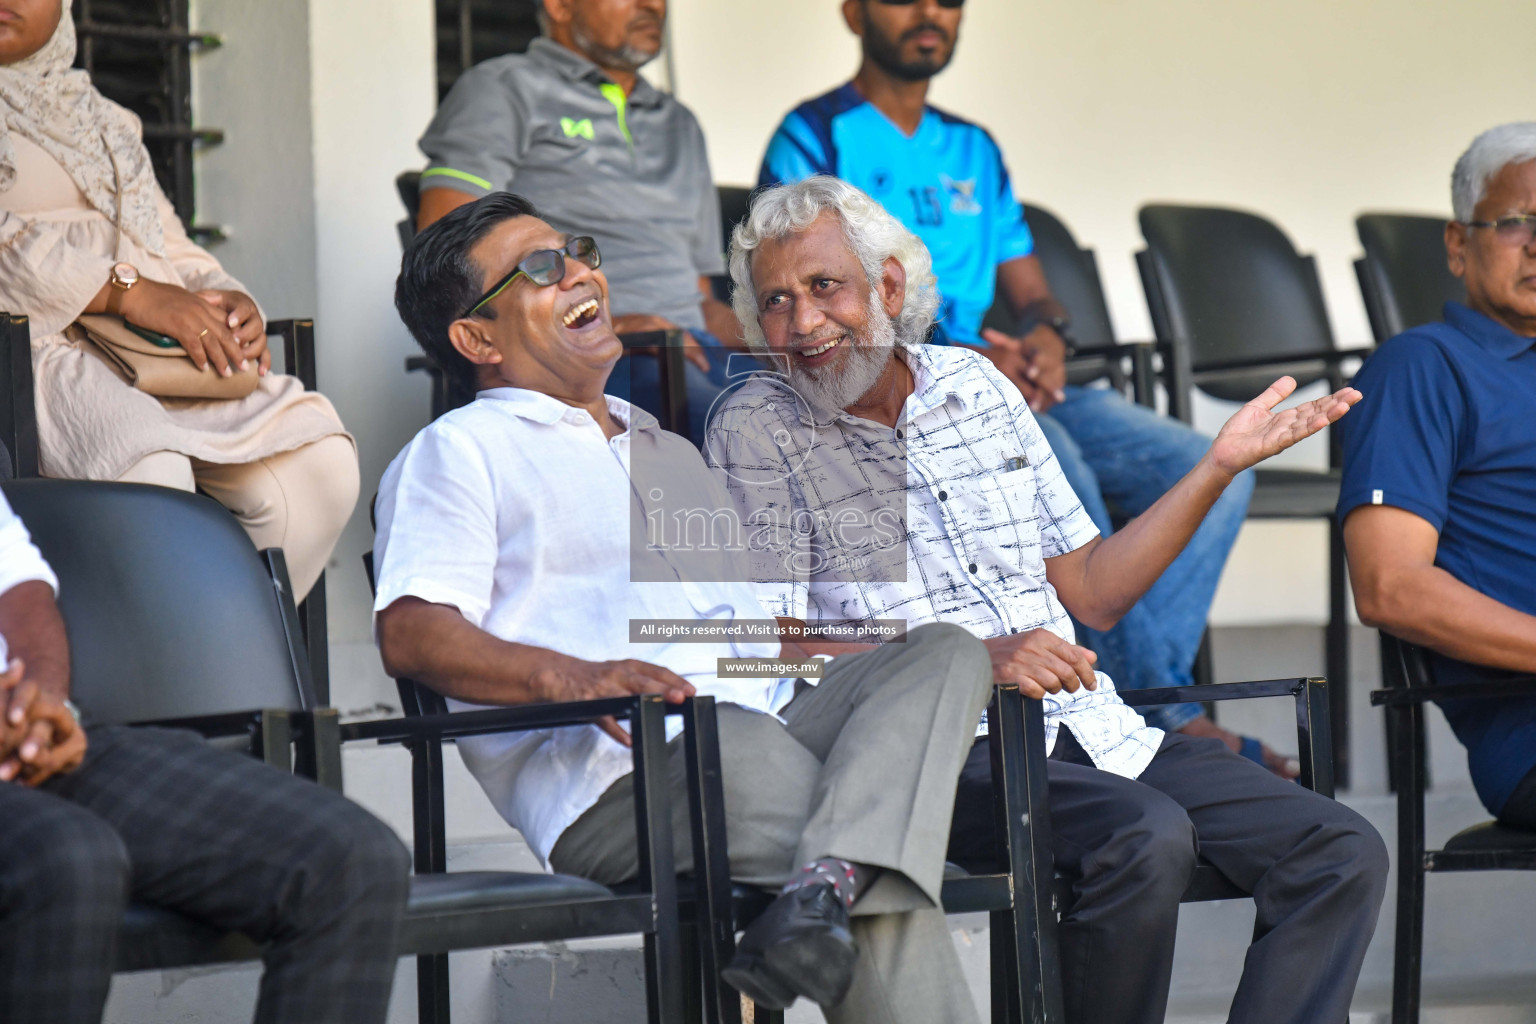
{"x":966,"y":482}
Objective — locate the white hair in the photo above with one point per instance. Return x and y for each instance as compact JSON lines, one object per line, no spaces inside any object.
{"x":873,"y":235}
{"x":1490,"y":153}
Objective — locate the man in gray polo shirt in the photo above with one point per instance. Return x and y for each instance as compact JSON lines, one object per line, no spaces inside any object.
{"x":571,"y":126}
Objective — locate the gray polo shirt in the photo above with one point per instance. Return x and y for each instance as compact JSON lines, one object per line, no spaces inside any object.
{"x":631,"y":172}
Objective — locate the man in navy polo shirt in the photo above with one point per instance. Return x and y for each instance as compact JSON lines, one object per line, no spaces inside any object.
{"x":944,"y":178}
{"x":1439,"y":493}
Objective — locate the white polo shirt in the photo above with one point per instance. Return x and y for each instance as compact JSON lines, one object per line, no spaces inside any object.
{"x":20,"y":561}
{"x":517,"y":511}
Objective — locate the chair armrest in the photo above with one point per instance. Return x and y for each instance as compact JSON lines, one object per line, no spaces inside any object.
{"x":455,"y":725}
{"x":1214,"y":691}
{"x":1523,"y":686}
{"x":298,"y":348}
{"x":1314,"y":735}
{"x":1118,"y":349}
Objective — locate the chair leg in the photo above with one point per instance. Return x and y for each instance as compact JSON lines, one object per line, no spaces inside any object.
{"x":1337,"y":653}
{"x":1004,"y":969}
{"x":432,"y":989}
{"x":1408,"y":953}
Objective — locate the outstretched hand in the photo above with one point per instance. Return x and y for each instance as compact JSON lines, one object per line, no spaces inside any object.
{"x":1256,"y":431}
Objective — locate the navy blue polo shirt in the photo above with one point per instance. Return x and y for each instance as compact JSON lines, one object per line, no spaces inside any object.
{"x":1447,"y":431}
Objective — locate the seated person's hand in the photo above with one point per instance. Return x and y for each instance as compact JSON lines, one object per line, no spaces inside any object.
{"x":1044,"y":363}
{"x":244,"y":319}
{"x":199,"y":325}
{"x":1256,"y":431}
{"x":39,"y":737}
{"x":565,"y":678}
{"x":1016,"y":361}
{"x":635,"y":322}
{"x":1041,"y":662}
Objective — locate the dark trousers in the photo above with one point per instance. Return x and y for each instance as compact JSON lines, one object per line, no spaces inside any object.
{"x":159,"y":817}
{"x":1316,"y":869}
{"x":1520,"y":809}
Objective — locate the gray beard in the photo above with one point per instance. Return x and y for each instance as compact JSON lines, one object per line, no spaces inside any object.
{"x":630,"y":58}
{"x":832,"y":390}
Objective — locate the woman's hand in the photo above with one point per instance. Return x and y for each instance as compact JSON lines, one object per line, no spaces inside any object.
{"x":198,"y":325}
{"x":244,"y":319}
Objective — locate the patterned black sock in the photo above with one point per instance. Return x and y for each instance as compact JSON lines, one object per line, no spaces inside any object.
{"x":848,"y":880}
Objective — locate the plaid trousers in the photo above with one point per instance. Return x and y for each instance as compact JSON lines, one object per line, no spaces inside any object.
{"x":158,"y":816}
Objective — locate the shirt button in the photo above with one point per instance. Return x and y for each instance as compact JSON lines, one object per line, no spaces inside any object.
{"x":900,"y":435}
{"x":973,"y":568}
{"x":943,"y":495}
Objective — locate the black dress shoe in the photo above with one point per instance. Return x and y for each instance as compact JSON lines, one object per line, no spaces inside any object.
{"x":801,"y":946}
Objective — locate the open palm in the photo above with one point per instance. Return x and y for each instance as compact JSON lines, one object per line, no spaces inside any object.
{"x":1256,"y":431}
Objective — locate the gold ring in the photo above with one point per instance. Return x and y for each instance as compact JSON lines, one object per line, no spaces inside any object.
{"x":203,"y":332}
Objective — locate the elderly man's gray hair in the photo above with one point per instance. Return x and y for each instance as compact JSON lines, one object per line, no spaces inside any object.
{"x":874,"y":236}
{"x":1490,"y":153}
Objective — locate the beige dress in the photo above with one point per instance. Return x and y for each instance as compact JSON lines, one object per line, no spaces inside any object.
{"x":56,"y":252}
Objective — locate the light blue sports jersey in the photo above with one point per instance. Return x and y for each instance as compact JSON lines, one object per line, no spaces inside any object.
{"x":947,"y":183}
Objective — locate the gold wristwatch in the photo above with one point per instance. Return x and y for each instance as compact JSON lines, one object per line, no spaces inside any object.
{"x":123,"y":277}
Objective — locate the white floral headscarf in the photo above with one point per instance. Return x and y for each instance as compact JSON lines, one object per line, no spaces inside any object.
{"x":97,"y":142}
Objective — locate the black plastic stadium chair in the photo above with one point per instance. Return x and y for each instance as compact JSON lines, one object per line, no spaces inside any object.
{"x":18,"y":433}
{"x":1403,"y":275}
{"x":1488,"y":846}
{"x":1072,"y":272}
{"x":230,"y":663}
{"x":1233,"y":306}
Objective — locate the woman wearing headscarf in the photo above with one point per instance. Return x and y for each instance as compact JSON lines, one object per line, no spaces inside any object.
{"x":84,"y":228}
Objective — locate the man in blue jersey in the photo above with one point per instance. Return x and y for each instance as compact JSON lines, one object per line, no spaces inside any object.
{"x":944,"y":177}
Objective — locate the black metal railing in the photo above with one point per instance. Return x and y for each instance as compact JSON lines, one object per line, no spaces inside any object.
{"x":139,"y":54}
{"x":469,"y":31}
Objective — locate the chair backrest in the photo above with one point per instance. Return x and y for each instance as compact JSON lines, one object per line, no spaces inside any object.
{"x":415,"y":699}
{"x":408,"y":185}
{"x":1404,"y":278}
{"x":1228,"y":286}
{"x":734,"y":203}
{"x":171,"y":611}
{"x":1073,"y":274}
{"x":18,"y":417}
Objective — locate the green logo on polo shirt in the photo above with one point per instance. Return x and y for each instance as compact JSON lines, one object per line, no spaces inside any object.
{"x":572,"y":128}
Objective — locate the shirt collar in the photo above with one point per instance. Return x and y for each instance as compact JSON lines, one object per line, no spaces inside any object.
{"x":1493,"y":336}
{"x":576,"y":68}
{"x":542,"y":408}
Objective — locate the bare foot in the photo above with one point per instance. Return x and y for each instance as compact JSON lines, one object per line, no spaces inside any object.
{"x":1285,"y":767}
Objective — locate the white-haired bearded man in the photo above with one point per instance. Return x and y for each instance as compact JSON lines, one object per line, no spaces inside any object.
{"x":882,"y":478}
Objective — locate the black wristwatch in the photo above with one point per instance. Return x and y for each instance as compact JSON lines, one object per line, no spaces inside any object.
{"x":1034,"y":317}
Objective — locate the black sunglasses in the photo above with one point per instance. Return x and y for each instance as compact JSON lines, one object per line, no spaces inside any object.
{"x":543,"y":267}
{"x":908,"y":3}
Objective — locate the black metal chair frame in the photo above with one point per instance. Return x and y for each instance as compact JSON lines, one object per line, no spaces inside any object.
{"x":1281,"y":494}
{"x":445,"y":911}
{"x":1409,"y":686}
{"x":1026,"y":899}
{"x":18,"y":430}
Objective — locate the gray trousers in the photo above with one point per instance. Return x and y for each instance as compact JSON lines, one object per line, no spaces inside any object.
{"x":161,"y":817}
{"x":1316,"y":869}
{"x":863,"y":768}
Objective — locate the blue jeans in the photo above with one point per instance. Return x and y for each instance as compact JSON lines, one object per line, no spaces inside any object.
{"x":638,"y":380}
{"x":1117,"y":454}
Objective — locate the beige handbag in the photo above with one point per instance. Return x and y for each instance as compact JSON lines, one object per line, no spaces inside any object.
{"x":158,"y":370}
